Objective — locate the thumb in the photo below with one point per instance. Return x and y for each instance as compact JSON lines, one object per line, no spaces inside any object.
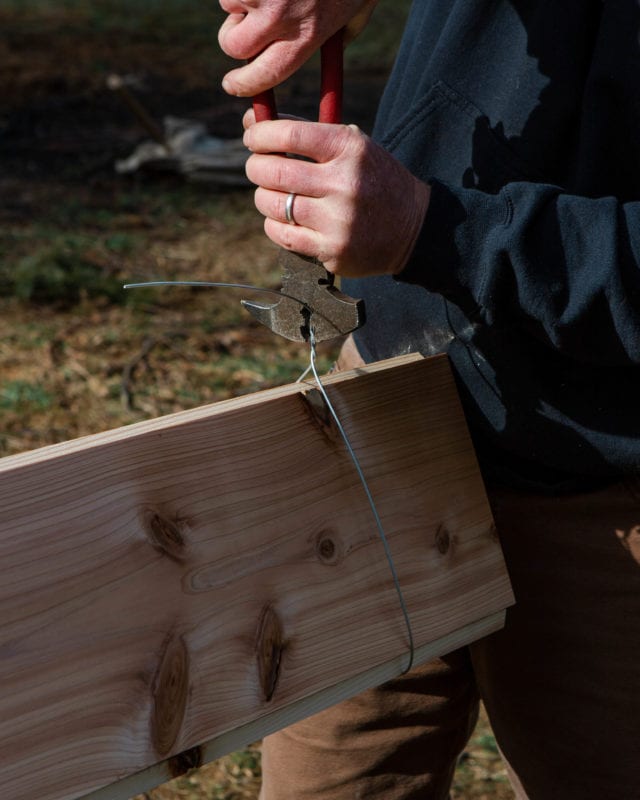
{"x":274,"y":65}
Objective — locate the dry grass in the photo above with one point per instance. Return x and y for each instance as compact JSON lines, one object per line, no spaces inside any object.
{"x":97,"y":364}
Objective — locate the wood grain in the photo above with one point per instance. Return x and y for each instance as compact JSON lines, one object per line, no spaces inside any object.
{"x":189,"y":578}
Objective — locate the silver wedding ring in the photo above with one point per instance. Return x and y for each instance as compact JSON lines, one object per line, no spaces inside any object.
{"x":288,"y":208}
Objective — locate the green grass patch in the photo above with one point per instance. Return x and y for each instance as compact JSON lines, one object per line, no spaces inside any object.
{"x":23,"y":396}
{"x":62,"y":272}
{"x":85,"y":249}
{"x":487,"y":742}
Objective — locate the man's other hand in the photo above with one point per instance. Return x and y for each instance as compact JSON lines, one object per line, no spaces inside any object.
{"x":278,"y":36}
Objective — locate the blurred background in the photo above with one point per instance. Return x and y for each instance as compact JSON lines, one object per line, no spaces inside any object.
{"x":119,"y":161}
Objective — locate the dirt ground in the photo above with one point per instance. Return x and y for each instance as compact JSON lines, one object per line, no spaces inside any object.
{"x":79,"y":355}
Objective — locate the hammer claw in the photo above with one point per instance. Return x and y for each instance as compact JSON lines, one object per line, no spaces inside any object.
{"x":317,"y":303}
{"x":285,"y":317}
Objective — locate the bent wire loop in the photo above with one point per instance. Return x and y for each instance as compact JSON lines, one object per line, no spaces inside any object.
{"x":313,"y":368}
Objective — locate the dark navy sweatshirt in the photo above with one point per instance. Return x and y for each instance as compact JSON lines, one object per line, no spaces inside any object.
{"x":524,"y":116}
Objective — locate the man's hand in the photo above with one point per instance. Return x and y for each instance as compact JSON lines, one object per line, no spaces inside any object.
{"x":280,"y":35}
{"x":357,"y":209}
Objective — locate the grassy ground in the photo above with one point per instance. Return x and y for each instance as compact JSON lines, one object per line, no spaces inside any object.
{"x":77,"y":353}
{"x":82,"y":355}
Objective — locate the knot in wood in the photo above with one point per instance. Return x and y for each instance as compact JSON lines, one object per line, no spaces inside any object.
{"x":328,"y":548}
{"x":170,"y":693}
{"x":443,"y":540}
{"x":318,"y":411}
{"x":166,"y":535}
{"x":270,"y":646}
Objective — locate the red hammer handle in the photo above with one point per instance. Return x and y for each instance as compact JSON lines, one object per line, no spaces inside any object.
{"x":264,"y":104}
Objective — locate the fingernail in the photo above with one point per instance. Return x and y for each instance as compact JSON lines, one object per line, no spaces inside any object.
{"x":226,"y":85}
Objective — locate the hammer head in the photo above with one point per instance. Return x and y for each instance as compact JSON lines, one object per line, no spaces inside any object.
{"x":317,"y":304}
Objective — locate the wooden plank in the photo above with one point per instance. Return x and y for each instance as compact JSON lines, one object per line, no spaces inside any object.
{"x":181,"y":580}
{"x":280,"y":718}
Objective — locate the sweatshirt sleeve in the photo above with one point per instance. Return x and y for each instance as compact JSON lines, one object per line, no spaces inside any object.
{"x":564,"y":267}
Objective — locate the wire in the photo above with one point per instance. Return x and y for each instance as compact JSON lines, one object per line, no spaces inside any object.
{"x":304,"y":374}
{"x":313,"y":368}
{"x":217,"y":285}
{"x":376,"y":515}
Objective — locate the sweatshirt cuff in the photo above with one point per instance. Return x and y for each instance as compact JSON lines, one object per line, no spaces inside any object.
{"x":460,"y":226}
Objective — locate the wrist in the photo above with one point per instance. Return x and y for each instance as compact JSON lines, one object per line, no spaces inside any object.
{"x":417,"y":213}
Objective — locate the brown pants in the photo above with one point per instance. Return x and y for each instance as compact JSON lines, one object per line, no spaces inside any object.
{"x":561,"y":682}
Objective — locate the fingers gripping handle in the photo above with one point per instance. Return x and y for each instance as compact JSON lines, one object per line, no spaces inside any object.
{"x":264,"y":104}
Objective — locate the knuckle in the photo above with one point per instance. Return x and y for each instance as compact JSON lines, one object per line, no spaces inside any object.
{"x":271,"y":14}
{"x":243,"y":83}
{"x":359,"y":146}
{"x":251,"y":168}
{"x":232,"y":42}
{"x":293,"y":137}
{"x":280,"y":212}
{"x":269,"y":72}
{"x":281,"y":172}
{"x":287,"y":238}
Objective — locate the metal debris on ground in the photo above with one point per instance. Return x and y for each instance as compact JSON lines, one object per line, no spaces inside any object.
{"x":192,"y":152}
